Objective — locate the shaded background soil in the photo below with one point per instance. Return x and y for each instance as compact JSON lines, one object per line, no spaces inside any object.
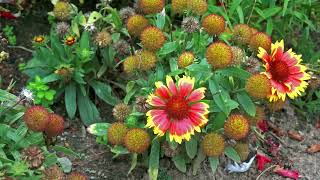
{"x":97,"y":160}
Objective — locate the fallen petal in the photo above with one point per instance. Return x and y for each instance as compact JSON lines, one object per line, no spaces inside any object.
{"x":261,"y":161}
{"x":295,"y":135}
{"x":314,"y":148}
{"x":293,"y":174}
{"x":263,"y":125}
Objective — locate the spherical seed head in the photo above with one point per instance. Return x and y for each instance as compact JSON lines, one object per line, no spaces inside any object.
{"x":253,"y":65}
{"x":185,"y":59}
{"x":102,"y":39}
{"x":242,"y":149}
{"x":33,"y":156}
{"x":260,"y":115}
{"x":62,"y":28}
{"x":121,"y":47}
{"x":199,"y":7}
{"x":152,"y":38}
{"x":213,"y":24}
{"x":190,"y":24}
{"x":53,"y":173}
{"x":141,"y":104}
{"x":151,"y":6}
{"x":55,"y":126}
{"x":137,"y":141}
{"x":125,"y":13}
{"x":131,"y":64}
{"x":242,"y":33}
{"x":219,"y":55}
{"x":62,"y":10}
{"x":121,"y":111}
{"x":179,"y":6}
{"x":116,"y":132}
{"x":276,"y":106}
{"x":238,"y":55}
{"x":258,"y":86}
{"x":77,"y":176}
{"x":253,"y":30}
{"x":36,"y":118}
{"x":236,"y":127}
{"x":260,"y":39}
{"x":213,"y":145}
{"x":136,"y":24}
{"x":147,"y":60}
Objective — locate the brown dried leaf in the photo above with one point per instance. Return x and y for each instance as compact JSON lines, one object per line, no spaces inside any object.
{"x":314,"y":148}
{"x":318,"y":124}
{"x":276,"y":130}
{"x":295,"y":135}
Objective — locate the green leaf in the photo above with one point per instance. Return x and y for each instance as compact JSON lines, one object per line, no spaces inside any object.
{"x":168,"y":48}
{"x":191,"y":147}
{"x":240,"y":14}
{"x":180,"y":163}
{"x":285,"y":7}
{"x":66,"y":151}
{"x":235,"y":72}
{"x":197,"y":162}
{"x":104,"y":92}
{"x":214,"y":162}
{"x":234,"y":5}
{"x":218,"y":121}
{"x":94,"y":16}
{"x":160,"y":20}
{"x":88,"y":111}
{"x":246,"y":103}
{"x":50,"y":160}
{"x":115,"y":18}
{"x":51,"y":78}
{"x":70,"y":99}
{"x":66,"y":164}
{"x":232,"y":154}
{"x":49,"y":95}
{"x":269,"y":27}
{"x":154,"y":160}
{"x":216,"y":92}
{"x":118,"y":150}
{"x":98,"y":129}
{"x":84,"y":41}
{"x":133,"y":162}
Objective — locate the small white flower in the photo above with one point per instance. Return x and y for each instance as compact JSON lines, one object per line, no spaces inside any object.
{"x":26,"y":94}
{"x":163,"y":12}
{"x":90,"y":27}
{"x":243,"y":167}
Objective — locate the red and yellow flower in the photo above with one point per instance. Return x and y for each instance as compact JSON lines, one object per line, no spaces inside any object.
{"x":176,"y":109}
{"x":287,"y":75}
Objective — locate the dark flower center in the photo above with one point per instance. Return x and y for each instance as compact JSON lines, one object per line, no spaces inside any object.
{"x":177,"y":107}
{"x":279,"y":71}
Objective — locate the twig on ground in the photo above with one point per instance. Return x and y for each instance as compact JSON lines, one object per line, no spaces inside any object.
{"x":21,"y":47}
{"x":266,"y":170}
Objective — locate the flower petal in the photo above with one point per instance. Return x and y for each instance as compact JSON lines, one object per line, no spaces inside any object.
{"x":264,"y":55}
{"x":277,"y":50}
{"x":200,"y":107}
{"x":155,"y":101}
{"x":159,"y":120}
{"x":185,"y":86}
{"x":181,"y":129}
{"x":292,"y":174}
{"x":162,"y":91}
{"x":196,"y":95}
{"x":171,"y":85}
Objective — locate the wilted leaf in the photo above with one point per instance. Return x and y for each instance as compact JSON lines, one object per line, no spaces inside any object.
{"x":295,"y":135}
{"x":314,"y":148}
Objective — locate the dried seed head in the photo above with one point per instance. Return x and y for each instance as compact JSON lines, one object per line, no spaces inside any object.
{"x":121,"y":47}
{"x":62,"y":29}
{"x":121,"y":111}
{"x":33,"y":156}
{"x":253,"y":65}
{"x":141,"y":104}
{"x":190,"y":24}
{"x":103,"y":39}
{"x":125,"y":13}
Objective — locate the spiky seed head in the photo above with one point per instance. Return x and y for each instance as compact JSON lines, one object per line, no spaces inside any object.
{"x":121,"y":111}
{"x":242,"y":149}
{"x":53,"y":173}
{"x":179,"y":6}
{"x":314,"y":82}
{"x":276,"y":106}
{"x":103,"y":39}
{"x":258,"y":86}
{"x":33,"y":156}
{"x":141,"y":104}
{"x":116,"y":133}
{"x":131,"y":64}
{"x":253,"y":30}
{"x":236,"y":127}
{"x":213,"y":24}
{"x":253,"y":65}
{"x":125,"y":13}
{"x":213,"y":145}
{"x":151,"y":6}
{"x":65,"y":72}
{"x":198,"y":7}
{"x":190,"y":24}
{"x":55,"y":126}
{"x":242,"y":33}
{"x":152,"y":38}
{"x":121,"y":47}
{"x":260,"y":39}
{"x":77,"y":176}
{"x":260,"y":115}
{"x":36,"y":118}
{"x":238,"y":55}
{"x":62,"y":29}
{"x":185,"y":59}
{"x":137,"y":141}
{"x":147,"y":60}
{"x":62,"y":10}
{"x":136,"y":24}
{"x":219,"y":55}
